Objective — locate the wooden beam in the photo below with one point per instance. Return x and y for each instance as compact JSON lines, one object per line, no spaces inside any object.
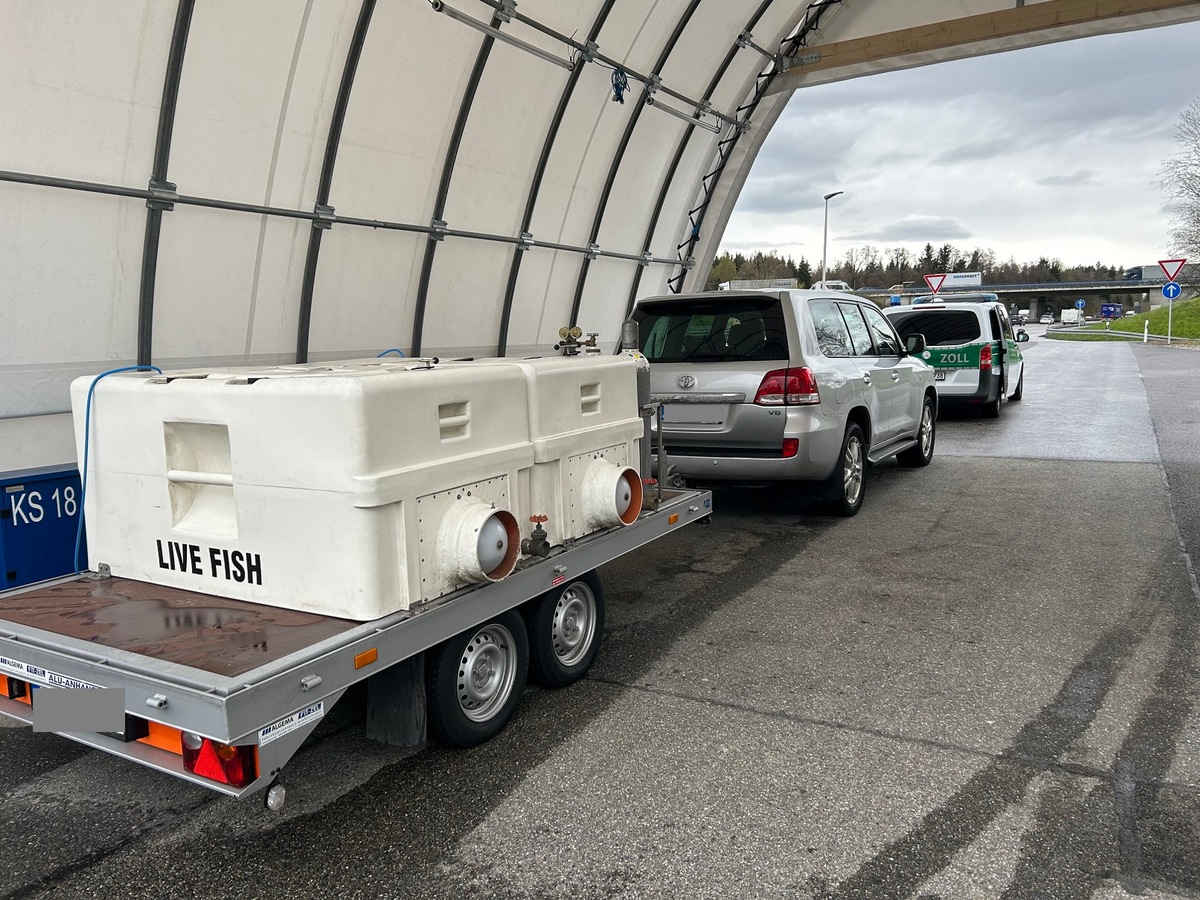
{"x":1049,"y":20}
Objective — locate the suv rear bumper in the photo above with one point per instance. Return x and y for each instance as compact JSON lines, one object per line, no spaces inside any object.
{"x":820,"y":444}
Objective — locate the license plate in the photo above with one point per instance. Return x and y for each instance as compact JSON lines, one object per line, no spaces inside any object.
{"x":939,"y":376}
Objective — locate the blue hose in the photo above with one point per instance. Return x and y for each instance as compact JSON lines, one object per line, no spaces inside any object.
{"x":391,"y":350}
{"x":87,"y":436}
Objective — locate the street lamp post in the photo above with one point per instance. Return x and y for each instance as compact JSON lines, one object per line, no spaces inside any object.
{"x":825,"y":238}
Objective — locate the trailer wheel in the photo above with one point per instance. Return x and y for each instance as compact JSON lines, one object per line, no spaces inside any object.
{"x":566,"y":627}
{"x":476,"y":679}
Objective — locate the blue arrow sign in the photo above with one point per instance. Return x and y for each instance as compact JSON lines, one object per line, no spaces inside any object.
{"x":1171,"y":290}
{"x":1079,"y":304}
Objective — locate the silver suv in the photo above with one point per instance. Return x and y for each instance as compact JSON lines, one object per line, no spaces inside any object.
{"x":786,"y":385}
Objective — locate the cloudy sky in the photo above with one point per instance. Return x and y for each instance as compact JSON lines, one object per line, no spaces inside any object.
{"x":1052,"y":151}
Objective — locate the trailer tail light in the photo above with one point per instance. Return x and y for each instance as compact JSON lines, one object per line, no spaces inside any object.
{"x":985,"y":358}
{"x":788,"y":387}
{"x":235,"y":766}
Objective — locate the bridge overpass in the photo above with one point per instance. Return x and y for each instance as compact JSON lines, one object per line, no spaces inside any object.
{"x":1054,"y":296}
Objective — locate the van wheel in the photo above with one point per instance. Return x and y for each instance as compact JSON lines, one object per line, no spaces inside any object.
{"x":922,"y":453}
{"x":476,"y":679}
{"x":566,"y":627}
{"x":847,"y":483}
{"x":992,"y":410}
{"x":1016,"y":395}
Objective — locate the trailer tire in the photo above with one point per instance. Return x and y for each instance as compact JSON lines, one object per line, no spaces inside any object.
{"x":476,"y":679}
{"x":566,"y":626}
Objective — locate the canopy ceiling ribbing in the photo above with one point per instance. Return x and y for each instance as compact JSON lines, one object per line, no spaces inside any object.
{"x":215,"y":182}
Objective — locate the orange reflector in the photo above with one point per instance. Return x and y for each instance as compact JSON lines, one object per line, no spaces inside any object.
{"x":366,"y":658}
{"x":164,"y":737}
{"x":16,"y":689}
{"x":673,"y":518}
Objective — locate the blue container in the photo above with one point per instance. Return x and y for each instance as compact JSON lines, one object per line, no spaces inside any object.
{"x":39,"y":517}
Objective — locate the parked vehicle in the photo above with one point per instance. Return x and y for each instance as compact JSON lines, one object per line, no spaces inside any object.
{"x":805,"y":386}
{"x":832,"y":286}
{"x":972,"y":347}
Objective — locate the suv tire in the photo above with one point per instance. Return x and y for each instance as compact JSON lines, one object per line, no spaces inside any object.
{"x":922,"y":453}
{"x":847,"y":483}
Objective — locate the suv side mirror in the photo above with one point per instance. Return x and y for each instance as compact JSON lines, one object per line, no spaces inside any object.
{"x":915,"y":344}
{"x":1022,"y":335}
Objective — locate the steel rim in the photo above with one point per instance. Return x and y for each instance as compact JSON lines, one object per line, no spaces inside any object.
{"x":852,"y":470}
{"x":486,"y":672}
{"x":574,"y":624}
{"x":927,"y":431}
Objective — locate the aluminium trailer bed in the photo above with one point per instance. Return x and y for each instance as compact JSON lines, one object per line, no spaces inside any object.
{"x":243,"y":675}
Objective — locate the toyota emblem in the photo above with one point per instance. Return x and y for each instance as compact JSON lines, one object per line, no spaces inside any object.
{"x":687,"y":381}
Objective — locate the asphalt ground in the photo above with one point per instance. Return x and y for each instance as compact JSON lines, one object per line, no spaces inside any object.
{"x":984,"y":685}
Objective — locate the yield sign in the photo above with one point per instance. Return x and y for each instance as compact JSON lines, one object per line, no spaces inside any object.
{"x":935,"y":282}
{"x":1171,"y":267}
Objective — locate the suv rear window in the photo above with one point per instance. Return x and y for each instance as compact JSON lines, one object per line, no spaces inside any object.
{"x":942,"y":328}
{"x":737,"y":329}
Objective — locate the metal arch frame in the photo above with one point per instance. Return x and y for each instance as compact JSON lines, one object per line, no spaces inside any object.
{"x":682,"y":148}
{"x":810,"y":23}
{"x":321,"y":217}
{"x":619,"y":155}
{"x":439,"y":207}
{"x":158,"y":179}
{"x":536,"y":184}
{"x":321,"y":206}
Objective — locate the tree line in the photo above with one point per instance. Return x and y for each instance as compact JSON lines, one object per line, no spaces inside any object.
{"x":869,"y":267}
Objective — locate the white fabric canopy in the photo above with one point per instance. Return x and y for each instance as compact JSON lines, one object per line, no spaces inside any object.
{"x":222,"y":182}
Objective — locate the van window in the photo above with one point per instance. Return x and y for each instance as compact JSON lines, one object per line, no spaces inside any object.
{"x":942,"y":328}
{"x":712,"y":330}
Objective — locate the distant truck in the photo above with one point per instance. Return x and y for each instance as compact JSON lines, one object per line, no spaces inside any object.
{"x":1072,"y":317}
{"x":1145,"y":273}
{"x":1111,"y":311}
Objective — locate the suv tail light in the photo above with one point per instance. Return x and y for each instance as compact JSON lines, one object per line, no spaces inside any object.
{"x":985,"y":357}
{"x":788,"y":387}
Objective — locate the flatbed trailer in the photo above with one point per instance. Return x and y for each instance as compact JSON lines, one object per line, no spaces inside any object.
{"x":207,"y":680}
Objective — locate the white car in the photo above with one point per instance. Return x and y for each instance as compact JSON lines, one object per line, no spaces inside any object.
{"x":1047,"y":319}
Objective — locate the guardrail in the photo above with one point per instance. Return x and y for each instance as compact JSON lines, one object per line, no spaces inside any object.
{"x":1055,"y":330}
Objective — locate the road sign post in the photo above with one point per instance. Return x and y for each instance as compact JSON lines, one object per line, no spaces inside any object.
{"x":1171,"y":268}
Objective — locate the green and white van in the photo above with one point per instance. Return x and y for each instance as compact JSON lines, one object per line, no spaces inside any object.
{"x":975,"y":354}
